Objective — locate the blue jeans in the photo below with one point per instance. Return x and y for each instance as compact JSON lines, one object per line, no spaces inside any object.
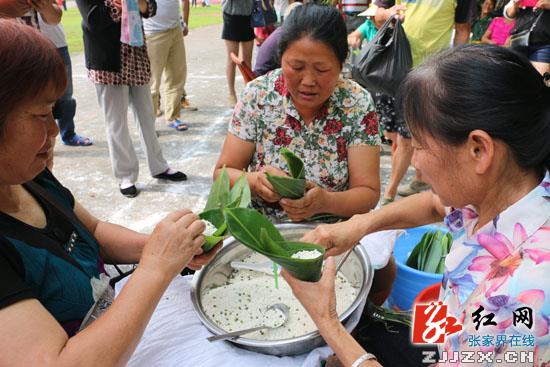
{"x":65,"y":107}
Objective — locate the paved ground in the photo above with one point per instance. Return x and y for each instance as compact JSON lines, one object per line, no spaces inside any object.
{"x":87,"y":170}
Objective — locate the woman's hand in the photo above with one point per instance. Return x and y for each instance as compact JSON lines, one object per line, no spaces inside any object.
{"x":261,"y":187}
{"x":354,"y":39}
{"x":319,"y":299}
{"x":306,"y":207}
{"x":336,"y":238}
{"x":201,"y":259}
{"x":173,"y":243}
{"x":542,"y":4}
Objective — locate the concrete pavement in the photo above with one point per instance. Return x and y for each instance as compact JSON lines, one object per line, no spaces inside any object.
{"x":86,"y":171}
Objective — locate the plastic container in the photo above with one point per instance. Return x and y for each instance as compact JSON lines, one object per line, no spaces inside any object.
{"x":410,"y":282}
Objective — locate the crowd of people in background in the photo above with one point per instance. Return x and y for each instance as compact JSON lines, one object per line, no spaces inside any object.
{"x":461,"y":140}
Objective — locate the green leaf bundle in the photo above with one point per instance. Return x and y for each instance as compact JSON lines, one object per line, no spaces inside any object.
{"x":220,"y":197}
{"x":256,"y":232}
{"x":429,"y":254}
{"x":293,"y":187}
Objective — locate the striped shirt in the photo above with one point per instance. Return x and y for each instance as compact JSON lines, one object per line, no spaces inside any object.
{"x":354,"y":6}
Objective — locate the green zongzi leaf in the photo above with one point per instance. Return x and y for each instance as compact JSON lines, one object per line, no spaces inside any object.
{"x":219,"y":193}
{"x":295,"y":164}
{"x":255,"y":231}
{"x":240,"y":193}
{"x":288,"y":187}
{"x":246,"y":224}
{"x":434,"y":254}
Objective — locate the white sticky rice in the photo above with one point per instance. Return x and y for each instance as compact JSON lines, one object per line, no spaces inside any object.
{"x":307,"y":254}
{"x":210,"y":228}
{"x":243,"y":302}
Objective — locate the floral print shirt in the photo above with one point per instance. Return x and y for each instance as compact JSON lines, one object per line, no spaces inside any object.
{"x":266,"y":116}
{"x":508,"y":261}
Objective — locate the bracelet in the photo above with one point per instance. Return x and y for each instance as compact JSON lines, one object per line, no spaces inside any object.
{"x":363,"y":358}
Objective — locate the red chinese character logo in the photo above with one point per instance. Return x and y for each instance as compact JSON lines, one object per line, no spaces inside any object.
{"x":431,"y":324}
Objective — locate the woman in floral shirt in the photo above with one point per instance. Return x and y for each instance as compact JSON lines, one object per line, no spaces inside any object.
{"x":306,"y":107}
{"x":480,"y":121}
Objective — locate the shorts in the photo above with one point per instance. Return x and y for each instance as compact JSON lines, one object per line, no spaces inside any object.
{"x":237,"y":28}
{"x":390,"y":120}
{"x":538,"y":53}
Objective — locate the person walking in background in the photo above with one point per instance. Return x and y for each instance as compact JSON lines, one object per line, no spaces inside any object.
{"x":429,"y":29}
{"x":64,"y":109}
{"x":164,"y":34}
{"x":118,"y":65}
{"x":237,"y":33}
{"x":498,"y":31}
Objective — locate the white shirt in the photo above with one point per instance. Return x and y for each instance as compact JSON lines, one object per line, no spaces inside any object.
{"x":54,"y":33}
{"x":167,"y":17}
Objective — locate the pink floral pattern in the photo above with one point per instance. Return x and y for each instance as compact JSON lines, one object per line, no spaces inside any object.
{"x":266,"y":116}
{"x":508,"y":262}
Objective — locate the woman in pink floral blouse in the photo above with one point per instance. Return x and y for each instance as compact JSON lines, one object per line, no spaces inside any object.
{"x":305,"y":106}
{"x":480,"y":120}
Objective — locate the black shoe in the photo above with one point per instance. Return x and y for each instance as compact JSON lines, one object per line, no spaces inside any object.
{"x":177,"y":176}
{"x":129,"y":192}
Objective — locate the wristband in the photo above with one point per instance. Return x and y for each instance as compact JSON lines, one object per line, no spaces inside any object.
{"x":363,"y":358}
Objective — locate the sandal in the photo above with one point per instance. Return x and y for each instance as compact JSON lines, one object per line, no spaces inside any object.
{"x":79,"y":141}
{"x":178,"y":125}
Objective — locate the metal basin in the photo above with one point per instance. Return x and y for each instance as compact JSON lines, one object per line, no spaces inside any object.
{"x":357,"y":270}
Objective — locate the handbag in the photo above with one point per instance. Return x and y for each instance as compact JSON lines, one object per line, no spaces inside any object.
{"x":385,"y":61}
{"x":263,"y":14}
{"x":521,"y":39}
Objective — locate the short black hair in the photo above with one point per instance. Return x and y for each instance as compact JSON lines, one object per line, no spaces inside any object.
{"x":320,"y":22}
{"x":490,"y":88}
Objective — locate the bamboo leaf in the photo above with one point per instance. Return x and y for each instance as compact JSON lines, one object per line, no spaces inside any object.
{"x":210,"y":242}
{"x":255,"y":231}
{"x":434,"y":254}
{"x":412,"y":261}
{"x":288,"y":187}
{"x":240,"y":193}
{"x":246,"y":224}
{"x":424,"y":250}
{"x":294,"y":163}
{"x":219,"y":193}
{"x":270,"y":246}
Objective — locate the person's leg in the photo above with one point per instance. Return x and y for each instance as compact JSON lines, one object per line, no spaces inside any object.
{"x":65,"y":107}
{"x":401,"y":159}
{"x":113,"y":100}
{"x":246,"y":50}
{"x":158,"y":48}
{"x":231,"y":46}
{"x":174,"y":76}
{"x":140,"y":99}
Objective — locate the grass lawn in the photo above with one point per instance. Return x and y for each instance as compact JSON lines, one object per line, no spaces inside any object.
{"x":199,"y":17}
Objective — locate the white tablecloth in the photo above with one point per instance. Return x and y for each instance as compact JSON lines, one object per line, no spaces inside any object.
{"x":176,"y":337}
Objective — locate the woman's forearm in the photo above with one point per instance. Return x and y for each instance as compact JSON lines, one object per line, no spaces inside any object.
{"x":412,"y":211}
{"x":347,"y":349}
{"x":112,"y":338}
{"x":119,"y":245}
{"x":353,"y":201}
